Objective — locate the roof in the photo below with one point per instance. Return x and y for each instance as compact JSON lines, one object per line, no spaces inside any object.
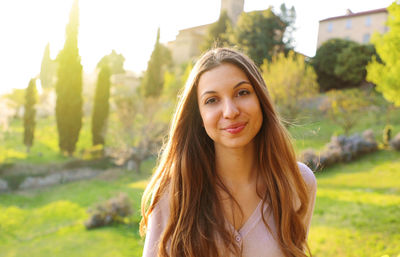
{"x":356,"y":14}
{"x":195,"y":28}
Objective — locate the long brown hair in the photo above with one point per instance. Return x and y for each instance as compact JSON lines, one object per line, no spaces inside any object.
{"x":186,"y":172}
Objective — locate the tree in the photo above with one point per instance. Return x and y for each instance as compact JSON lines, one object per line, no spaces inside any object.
{"x":341,"y":63}
{"x":108,"y":65}
{"x":47,"y":70}
{"x":101,"y":105}
{"x":352,"y":62}
{"x":153,"y":78}
{"x":344,"y":107}
{"x":259,"y":34}
{"x":17,"y":100}
{"x":142,"y":125}
{"x":325,"y":62}
{"x":29,"y":114}
{"x":288,"y":16}
{"x":114,"y":61}
{"x":386,"y":75}
{"x":69,"y":86}
{"x":290,"y":81}
{"x":174,"y":81}
{"x":6,"y":115}
{"x":217,"y":33}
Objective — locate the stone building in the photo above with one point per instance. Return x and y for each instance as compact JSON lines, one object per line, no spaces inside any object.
{"x":358,"y":27}
{"x":188,"y":41}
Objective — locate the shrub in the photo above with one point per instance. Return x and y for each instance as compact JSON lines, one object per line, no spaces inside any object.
{"x":341,"y":149}
{"x":395,"y":142}
{"x":310,"y":158}
{"x":114,"y":210}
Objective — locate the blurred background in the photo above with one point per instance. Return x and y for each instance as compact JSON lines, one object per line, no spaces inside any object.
{"x":88,"y":88}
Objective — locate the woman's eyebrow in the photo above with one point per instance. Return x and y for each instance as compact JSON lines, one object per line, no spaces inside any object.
{"x":238,"y":84}
{"x":241,"y":82}
{"x":208,"y":92}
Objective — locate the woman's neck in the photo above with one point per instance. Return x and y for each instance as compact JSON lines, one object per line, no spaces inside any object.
{"x":236,"y":167}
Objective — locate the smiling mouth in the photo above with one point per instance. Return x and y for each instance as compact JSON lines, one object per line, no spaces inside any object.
{"x":235,"y":129}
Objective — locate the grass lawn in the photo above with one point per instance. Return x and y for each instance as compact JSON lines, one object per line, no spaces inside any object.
{"x":315,"y":132}
{"x":49,"y":221}
{"x":358,"y":208}
{"x":357,"y":214}
{"x":45,"y":146}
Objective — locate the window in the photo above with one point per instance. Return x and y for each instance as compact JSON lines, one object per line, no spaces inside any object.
{"x":348,"y":24}
{"x":368,"y":21}
{"x":366,"y":38}
{"x":330,"y":27}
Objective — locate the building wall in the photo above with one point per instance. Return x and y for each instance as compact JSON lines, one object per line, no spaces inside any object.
{"x":357,"y":28}
{"x":188,"y":41}
{"x":187,"y":44}
{"x":234,"y":8}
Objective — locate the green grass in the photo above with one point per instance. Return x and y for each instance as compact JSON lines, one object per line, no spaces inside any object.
{"x":356,"y":214}
{"x":45,"y":146}
{"x":49,"y":221}
{"x":358,"y":208}
{"x":314,"y":131}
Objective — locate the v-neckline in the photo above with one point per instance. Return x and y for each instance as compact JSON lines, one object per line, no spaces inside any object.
{"x":248,"y":224}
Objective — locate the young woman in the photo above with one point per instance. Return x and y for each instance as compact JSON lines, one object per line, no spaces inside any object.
{"x":227,"y":182}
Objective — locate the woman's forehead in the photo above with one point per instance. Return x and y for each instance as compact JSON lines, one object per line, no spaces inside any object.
{"x":223,"y":75}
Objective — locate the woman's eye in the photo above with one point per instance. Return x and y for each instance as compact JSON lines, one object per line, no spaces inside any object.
{"x":211,"y":100}
{"x":243,"y":92}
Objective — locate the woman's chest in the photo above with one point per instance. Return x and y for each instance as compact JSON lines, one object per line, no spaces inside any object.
{"x":259,"y":242}
{"x":254,"y":239}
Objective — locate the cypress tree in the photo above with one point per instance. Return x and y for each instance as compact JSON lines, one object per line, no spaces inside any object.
{"x":29,"y":114}
{"x":101,"y":105}
{"x":69,"y":87}
{"x":153,"y":78}
{"x":47,"y":70}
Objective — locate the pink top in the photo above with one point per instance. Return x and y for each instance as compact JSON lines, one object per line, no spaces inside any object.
{"x":254,"y":238}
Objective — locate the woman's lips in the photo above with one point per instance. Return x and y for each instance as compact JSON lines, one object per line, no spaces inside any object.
{"x":236,"y":128}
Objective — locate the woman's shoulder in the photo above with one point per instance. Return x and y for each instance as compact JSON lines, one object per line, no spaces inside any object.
{"x":157,"y":222}
{"x":162,"y":205}
{"x":308,"y":176}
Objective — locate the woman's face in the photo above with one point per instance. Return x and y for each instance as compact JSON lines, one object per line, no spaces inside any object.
{"x":229,"y":107}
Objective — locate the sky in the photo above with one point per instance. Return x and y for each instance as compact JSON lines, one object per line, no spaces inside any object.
{"x":130,"y":28}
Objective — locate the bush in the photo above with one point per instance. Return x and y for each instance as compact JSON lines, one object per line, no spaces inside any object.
{"x":341,"y":149}
{"x":395,"y":142}
{"x":114,"y":210}
{"x":311,"y":159}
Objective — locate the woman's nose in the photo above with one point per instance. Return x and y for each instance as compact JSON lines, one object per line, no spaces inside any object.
{"x":231,"y":110}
